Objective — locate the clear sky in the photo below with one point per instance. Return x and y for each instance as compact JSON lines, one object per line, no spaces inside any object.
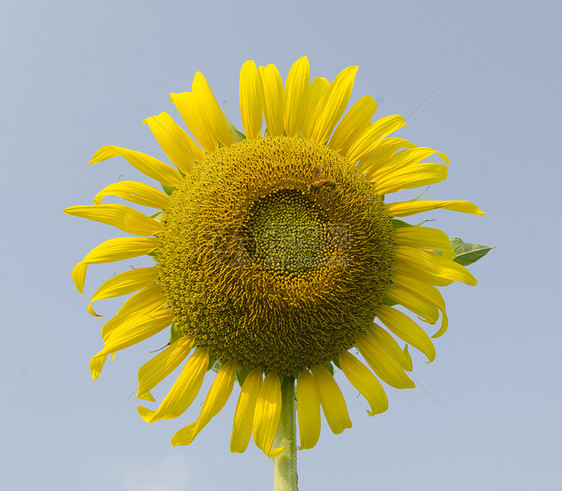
{"x":489,"y":417}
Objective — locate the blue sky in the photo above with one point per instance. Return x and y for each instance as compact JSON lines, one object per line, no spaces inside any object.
{"x":68,"y":69}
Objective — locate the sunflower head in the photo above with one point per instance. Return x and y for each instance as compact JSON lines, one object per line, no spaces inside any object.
{"x":275,"y":252}
{"x":265,"y":268}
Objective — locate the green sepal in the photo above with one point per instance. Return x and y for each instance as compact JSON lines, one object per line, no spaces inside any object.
{"x":468,"y":252}
{"x":158,"y":215}
{"x":399,"y":223}
{"x":236,"y":133}
{"x":214,"y":365}
{"x":330,"y":367}
{"x":336,"y":362}
{"x":241,"y":374}
{"x":266,"y":132}
{"x":175,"y":333}
{"x":388,"y":302}
{"x":168,"y":189}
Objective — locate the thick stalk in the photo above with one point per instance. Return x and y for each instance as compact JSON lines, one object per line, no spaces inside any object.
{"x":285,"y":466}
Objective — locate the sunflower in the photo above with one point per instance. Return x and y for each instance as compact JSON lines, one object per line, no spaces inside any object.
{"x":277,"y":258}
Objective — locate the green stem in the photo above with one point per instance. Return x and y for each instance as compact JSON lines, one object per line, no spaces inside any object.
{"x":285,"y":466}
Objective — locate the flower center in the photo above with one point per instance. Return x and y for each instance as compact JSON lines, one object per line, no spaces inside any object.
{"x":275,"y":254}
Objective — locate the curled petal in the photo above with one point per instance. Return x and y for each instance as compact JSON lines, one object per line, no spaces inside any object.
{"x":159,"y":367}
{"x":365,"y":382}
{"x":148,"y":165}
{"x":122,"y":217}
{"x":383,"y":363}
{"x":183,"y":392}
{"x":123,"y":284}
{"x":136,"y":192}
{"x":110,"y":251}
{"x":216,"y":399}
{"x":406,"y":329}
{"x":130,"y":332}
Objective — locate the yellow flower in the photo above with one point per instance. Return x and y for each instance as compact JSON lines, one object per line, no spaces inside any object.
{"x":276,"y":254}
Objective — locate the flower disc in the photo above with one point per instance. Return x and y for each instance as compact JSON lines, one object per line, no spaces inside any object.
{"x":275,"y":254}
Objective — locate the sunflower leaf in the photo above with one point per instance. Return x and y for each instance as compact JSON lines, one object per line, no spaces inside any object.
{"x":468,"y":252}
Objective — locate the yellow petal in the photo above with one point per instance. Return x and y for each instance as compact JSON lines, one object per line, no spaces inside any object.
{"x":272,"y":84}
{"x":267,"y":414}
{"x":365,"y":382}
{"x":368,"y":141}
{"x":133,"y":331}
{"x":331,"y":398}
{"x":176,"y":143}
{"x":357,"y":120}
{"x":244,"y":413}
{"x":389,"y":344}
{"x":136,"y":192}
{"x":96,"y":365}
{"x":334,"y":104}
{"x":383,"y":363}
{"x":427,"y":311}
{"x":407,"y":208}
{"x":411,"y":177}
{"x":315,"y":99}
{"x":428,"y":265}
{"x":122,"y":217}
{"x":184,"y":390}
{"x":186,"y":104}
{"x":308,"y":410}
{"x":149,"y":299}
{"x":216,"y":399}
{"x":425,"y":238}
{"x":406,"y":329}
{"x":251,"y":99}
{"x":295,"y":96}
{"x":110,"y":251}
{"x":146,"y":164}
{"x":383,"y":154}
{"x":210,"y":110}
{"x":123,"y":284}
{"x":405,"y":158}
{"x":159,"y":367}
{"x":425,"y":292}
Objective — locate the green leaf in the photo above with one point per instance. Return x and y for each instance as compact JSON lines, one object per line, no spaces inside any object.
{"x":468,"y":252}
